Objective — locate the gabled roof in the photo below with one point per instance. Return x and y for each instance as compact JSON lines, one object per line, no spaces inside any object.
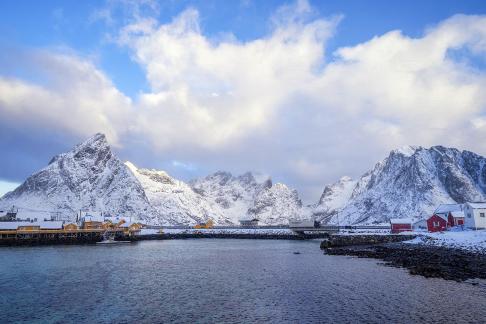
{"x":401,"y":221}
{"x":444,"y":216}
{"x":445,"y":208}
{"x":43,"y":225}
{"x":477,"y":205}
{"x":458,"y":214}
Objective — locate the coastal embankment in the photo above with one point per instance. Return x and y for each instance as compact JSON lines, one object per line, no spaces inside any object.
{"x":420,"y":259}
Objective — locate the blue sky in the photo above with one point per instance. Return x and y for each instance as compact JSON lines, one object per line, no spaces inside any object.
{"x":54,"y":49}
{"x":41,"y":24}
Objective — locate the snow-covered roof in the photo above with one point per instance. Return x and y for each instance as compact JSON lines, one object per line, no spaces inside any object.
{"x":127,"y":224}
{"x":90,"y":218}
{"x":477,"y":205}
{"x":446,"y":208}
{"x":416,"y":221}
{"x":401,"y":220}
{"x":444,"y":216}
{"x":458,"y":214}
{"x":43,"y":225}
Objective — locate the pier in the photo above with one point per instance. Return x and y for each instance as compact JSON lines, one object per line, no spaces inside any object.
{"x":56,"y":236}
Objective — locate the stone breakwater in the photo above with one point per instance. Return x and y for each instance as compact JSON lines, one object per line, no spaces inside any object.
{"x":252,"y":236}
{"x":365,"y":239}
{"x":427,"y":261}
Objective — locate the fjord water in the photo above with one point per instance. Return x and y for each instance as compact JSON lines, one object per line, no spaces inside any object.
{"x":211,"y":280}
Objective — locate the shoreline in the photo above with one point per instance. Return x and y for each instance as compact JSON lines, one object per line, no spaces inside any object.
{"x":173,"y":236}
{"x":249,"y":236}
{"x":420,"y":259}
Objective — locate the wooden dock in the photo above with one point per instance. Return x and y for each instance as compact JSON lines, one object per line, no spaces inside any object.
{"x":56,"y":236}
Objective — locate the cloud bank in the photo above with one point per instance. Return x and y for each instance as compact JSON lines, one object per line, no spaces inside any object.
{"x":280,"y":104}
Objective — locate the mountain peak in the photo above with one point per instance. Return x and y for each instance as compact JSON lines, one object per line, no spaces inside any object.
{"x":406,"y":150}
{"x":97,"y":140}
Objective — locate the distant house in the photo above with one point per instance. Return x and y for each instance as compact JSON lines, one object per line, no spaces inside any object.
{"x":399,"y":225}
{"x":250,"y":222}
{"x":446,"y":216}
{"x":455,"y":218}
{"x":419,"y":225}
{"x":437,"y":223}
{"x":31,"y":226}
{"x":475,"y":215}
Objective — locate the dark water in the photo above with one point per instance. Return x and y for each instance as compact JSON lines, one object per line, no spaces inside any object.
{"x":221,"y":281}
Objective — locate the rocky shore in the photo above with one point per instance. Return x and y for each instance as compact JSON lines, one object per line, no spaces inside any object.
{"x":427,"y":261}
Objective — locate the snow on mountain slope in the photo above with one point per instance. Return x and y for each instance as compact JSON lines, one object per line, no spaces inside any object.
{"x":233,"y":196}
{"x":276,"y":205}
{"x":89,"y":177}
{"x":174,"y":199}
{"x":411,"y":181}
{"x":334,"y":197}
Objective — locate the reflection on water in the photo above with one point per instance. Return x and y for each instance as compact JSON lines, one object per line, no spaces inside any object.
{"x":221,"y":281}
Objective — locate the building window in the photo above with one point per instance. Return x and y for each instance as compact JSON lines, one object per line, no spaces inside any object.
{"x":468,"y":215}
{"x":481,"y":214}
{"x":436,"y":224}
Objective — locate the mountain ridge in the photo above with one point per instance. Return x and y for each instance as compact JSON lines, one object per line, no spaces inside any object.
{"x":410,"y":181}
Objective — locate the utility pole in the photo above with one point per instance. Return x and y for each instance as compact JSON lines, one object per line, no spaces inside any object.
{"x":339,"y":226}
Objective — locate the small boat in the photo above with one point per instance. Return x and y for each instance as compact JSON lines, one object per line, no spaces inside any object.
{"x":109,"y":238}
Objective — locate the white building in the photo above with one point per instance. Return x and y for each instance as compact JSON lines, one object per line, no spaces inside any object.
{"x":249,"y":222}
{"x":475,"y":215}
{"x":419,"y":225}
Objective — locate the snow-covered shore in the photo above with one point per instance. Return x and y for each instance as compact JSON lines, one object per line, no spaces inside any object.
{"x":474,"y":241}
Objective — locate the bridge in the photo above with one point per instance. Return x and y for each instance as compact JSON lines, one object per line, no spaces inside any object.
{"x":335,"y":228}
{"x":297,"y":229}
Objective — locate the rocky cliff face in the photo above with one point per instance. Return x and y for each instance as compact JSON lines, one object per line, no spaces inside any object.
{"x":410,"y":182}
{"x":230,"y":195}
{"x":89,"y":177}
{"x":276,"y":205}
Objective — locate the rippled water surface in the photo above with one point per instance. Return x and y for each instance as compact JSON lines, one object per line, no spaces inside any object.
{"x":221,"y":281}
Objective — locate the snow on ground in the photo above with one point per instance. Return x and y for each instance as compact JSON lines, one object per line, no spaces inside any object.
{"x":462,"y":239}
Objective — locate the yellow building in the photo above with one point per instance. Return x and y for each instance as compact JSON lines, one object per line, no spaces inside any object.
{"x":207,"y":225}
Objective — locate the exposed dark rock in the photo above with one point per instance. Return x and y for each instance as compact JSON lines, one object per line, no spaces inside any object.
{"x":427,"y":261}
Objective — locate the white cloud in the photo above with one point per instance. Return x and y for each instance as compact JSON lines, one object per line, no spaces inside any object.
{"x":73,"y":97}
{"x":274,"y":104}
{"x":252,"y":79}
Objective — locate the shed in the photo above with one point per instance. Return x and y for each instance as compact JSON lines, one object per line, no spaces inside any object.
{"x":456,"y":218}
{"x":399,"y":225}
{"x":420,"y":225}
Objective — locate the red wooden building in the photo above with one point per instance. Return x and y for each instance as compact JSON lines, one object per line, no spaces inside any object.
{"x":437,"y":223}
{"x":446,"y":216}
{"x":455,"y":218}
{"x":399,"y":225}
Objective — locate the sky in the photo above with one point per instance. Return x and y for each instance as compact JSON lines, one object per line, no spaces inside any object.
{"x":304,"y":91}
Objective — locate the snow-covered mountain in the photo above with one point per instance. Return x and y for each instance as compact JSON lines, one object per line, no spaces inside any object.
{"x":276,"y":205}
{"x":89,"y":177}
{"x":175,"y":200}
{"x":411,"y":181}
{"x":231,"y":195}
